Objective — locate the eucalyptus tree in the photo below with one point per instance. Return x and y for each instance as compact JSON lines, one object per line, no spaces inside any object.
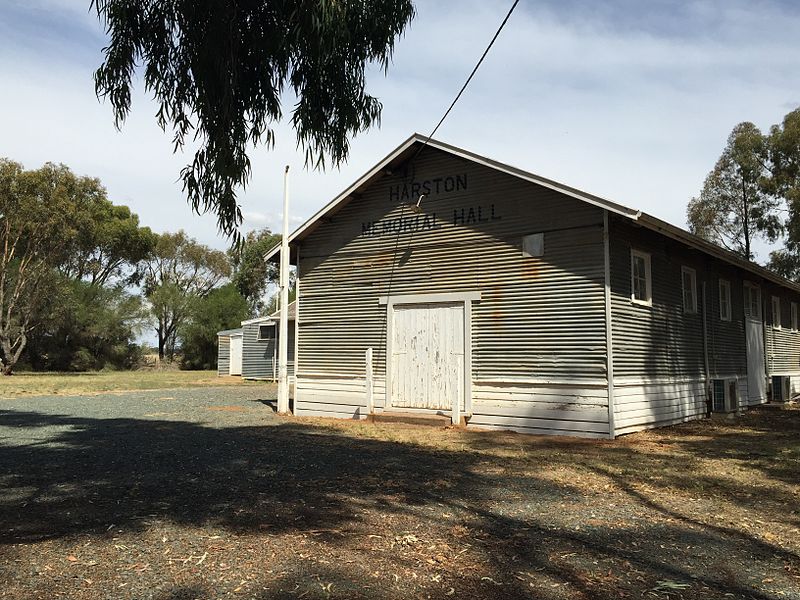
{"x":109,"y":244}
{"x":36,"y":232}
{"x":177,"y":273}
{"x":734,"y":208}
{"x":251,"y":273}
{"x":784,"y":182}
{"x":221,"y":72}
{"x":222,"y":308}
{"x":783,"y":143}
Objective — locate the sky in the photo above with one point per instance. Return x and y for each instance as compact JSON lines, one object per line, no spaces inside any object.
{"x":627,"y":100}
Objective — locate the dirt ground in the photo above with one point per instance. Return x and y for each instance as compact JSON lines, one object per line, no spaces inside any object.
{"x":205,"y":493}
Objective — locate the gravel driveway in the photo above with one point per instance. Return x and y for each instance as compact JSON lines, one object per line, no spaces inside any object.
{"x":205,"y":493}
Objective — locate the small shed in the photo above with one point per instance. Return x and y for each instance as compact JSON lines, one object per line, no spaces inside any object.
{"x":229,"y":356}
{"x":260,"y":346}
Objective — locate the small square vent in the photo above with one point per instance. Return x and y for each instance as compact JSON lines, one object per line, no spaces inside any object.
{"x":533,"y":245}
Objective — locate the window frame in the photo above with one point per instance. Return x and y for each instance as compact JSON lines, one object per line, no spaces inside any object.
{"x":648,"y":278}
{"x":259,"y":338}
{"x":748,"y":289}
{"x":730,"y":395}
{"x":693,"y":273}
{"x":775,"y":302}
{"x":725,"y":292}
{"x":793,"y":316}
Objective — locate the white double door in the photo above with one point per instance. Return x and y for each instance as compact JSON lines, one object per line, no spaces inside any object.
{"x":427,"y":356}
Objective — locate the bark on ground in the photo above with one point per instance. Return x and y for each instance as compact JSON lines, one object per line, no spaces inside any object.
{"x":205,"y":493}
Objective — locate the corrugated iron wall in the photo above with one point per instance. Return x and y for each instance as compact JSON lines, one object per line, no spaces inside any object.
{"x":727,"y":352}
{"x":651,"y":342}
{"x":659,"y":364}
{"x":538,"y":336}
{"x":782,"y":344}
{"x":224,"y":355}
{"x":259,"y":357}
{"x":658,"y":351}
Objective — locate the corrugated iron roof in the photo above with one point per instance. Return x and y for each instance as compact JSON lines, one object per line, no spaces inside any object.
{"x":273,"y":317}
{"x":229,"y":332}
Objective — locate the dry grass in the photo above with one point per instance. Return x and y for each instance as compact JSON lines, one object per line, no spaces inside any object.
{"x":67,"y":384}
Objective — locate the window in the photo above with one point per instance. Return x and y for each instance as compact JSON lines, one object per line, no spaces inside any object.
{"x":752,"y":300}
{"x":781,"y":388}
{"x":776,"y":312}
{"x":641,"y":278}
{"x":794,"y":316}
{"x":533,"y":245}
{"x":724,"y":300}
{"x":689,"y":279}
{"x":724,"y":395}
{"x":266,"y":332}
{"x":718,"y":395}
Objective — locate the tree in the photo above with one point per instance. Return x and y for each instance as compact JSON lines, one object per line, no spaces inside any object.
{"x":89,"y":327}
{"x":251,"y":273}
{"x":110,"y":244}
{"x":784,"y":162}
{"x":222,"y":308}
{"x":176,"y":274}
{"x":271,"y":307}
{"x":783,"y":144}
{"x":219,"y":72}
{"x":786,"y":261}
{"x":733,"y":208}
{"x":37,"y":227}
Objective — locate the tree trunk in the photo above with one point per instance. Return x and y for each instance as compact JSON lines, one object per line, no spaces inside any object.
{"x":10,"y":356}
{"x":160,"y":333}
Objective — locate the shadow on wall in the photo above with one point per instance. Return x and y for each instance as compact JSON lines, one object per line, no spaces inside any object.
{"x":295,"y":478}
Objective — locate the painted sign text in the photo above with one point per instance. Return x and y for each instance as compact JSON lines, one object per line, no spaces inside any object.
{"x":467,"y":215}
{"x":428,"y":187}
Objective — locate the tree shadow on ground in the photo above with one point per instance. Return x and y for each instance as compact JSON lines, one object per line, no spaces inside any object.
{"x":79,"y":476}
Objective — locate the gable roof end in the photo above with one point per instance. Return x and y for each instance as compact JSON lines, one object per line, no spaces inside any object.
{"x":406,"y":150}
{"x":408,"y":147}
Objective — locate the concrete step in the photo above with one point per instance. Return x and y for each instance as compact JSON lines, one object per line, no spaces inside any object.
{"x":411,"y":418}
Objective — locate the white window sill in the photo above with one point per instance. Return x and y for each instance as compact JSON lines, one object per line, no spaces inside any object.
{"x":648,"y":303}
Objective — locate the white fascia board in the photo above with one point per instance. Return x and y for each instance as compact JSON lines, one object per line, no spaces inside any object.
{"x":266,"y":320}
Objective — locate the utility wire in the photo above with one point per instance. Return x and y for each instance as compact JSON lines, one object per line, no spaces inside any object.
{"x":471,"y":75}
{"x":428,"y":139}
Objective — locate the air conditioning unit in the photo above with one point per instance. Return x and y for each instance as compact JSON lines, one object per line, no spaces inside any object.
{"x":724,"y":395}
{"x":781,"y":388}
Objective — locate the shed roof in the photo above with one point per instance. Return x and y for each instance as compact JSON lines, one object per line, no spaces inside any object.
{"x":407,"y":150}
{"x":273,"y":317}
{"x":229,"y":332}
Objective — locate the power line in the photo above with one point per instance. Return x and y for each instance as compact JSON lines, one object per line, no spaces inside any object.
{"x":471,"y":75}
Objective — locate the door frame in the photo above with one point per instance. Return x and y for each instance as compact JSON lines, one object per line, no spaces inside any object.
{"x":759,"y":324}
{"x":240,"y":338}
{"x":444,"y":298}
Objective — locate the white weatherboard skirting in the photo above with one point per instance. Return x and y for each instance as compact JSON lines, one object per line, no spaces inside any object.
{"x":532,"y":408}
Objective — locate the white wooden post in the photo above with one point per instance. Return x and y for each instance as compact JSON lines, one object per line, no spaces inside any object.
{"x":283,"y":333}
{"x":455,"y":418}
{"x":369,"y":385}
